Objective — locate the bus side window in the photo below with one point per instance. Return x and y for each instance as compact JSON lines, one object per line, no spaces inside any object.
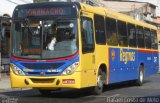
{"x":147,"y":38}
{"x":154,"y":39}
{"x":111,"y":32}
{"x":87,"y":35}
{"x":140,"y":36}
{"x":132,"y":35}
{"x":99,"y":29}
{"x":122,"y":33}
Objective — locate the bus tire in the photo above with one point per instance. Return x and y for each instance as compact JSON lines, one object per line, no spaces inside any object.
{"x":97,"y":90}
{"x":140,"y":79}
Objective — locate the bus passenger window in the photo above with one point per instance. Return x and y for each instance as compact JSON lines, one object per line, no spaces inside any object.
{"x":147,"y":38}
{"x":111,"y":32}
{"x":140,"y":36}
{"x":132,"y":35}
{"x":87,"y":35}
{"x":122,"y":33}
{"x":99,"y":29}
{"x":154,"y":39}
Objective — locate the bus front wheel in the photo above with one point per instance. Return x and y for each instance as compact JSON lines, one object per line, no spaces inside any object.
{"x":97,"y":90}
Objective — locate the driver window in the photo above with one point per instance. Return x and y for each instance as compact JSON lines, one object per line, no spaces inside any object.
{"x":87,"y":35}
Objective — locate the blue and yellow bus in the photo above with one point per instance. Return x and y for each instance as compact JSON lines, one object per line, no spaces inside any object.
{"x":73,"y":45}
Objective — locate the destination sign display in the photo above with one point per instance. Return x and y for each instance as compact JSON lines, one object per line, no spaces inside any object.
{"x":46,"y":11}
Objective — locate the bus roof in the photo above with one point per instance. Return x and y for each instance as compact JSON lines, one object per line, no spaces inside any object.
{"x":114,"y":14}
{"x":42,"y":4}
{"x":94,"y":9}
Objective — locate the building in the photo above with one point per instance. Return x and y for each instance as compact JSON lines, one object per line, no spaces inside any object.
{"x":138,"y":10}
{"x":142,"y":11}
{"x":157,"y":13}
{"x":155,"y":2}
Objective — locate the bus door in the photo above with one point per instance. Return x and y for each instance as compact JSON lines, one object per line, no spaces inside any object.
{"x":88,"y":48}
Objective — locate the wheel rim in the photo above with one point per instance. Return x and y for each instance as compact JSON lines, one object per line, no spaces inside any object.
{"x":141,"y":76}
{"x":99,"y":81}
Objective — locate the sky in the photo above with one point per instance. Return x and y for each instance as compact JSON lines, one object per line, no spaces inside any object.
{"x":11,"y":4}
{"x":155,"y":2}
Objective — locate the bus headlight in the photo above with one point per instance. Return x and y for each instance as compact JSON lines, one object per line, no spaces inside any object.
{"x":17,"y":70}
{"x":70,"y":69}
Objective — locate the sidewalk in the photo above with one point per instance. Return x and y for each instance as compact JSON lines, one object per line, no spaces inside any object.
{"x":5,"y":84}
{"x":4,"y":81}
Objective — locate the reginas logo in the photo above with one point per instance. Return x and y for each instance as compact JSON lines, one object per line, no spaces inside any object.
{"x":126,"y":56}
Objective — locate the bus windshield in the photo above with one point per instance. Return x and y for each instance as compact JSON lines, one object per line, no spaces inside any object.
{"x":44,"y":39}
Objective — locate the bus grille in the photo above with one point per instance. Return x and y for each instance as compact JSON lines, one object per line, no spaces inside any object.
{"x":38,"y":73}
{"x":42,"y":65}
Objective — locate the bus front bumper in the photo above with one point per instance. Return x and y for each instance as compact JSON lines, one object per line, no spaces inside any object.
{"x":48,"y":82}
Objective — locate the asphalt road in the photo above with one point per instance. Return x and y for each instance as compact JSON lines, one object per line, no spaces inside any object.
{"x":151,"y":88}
